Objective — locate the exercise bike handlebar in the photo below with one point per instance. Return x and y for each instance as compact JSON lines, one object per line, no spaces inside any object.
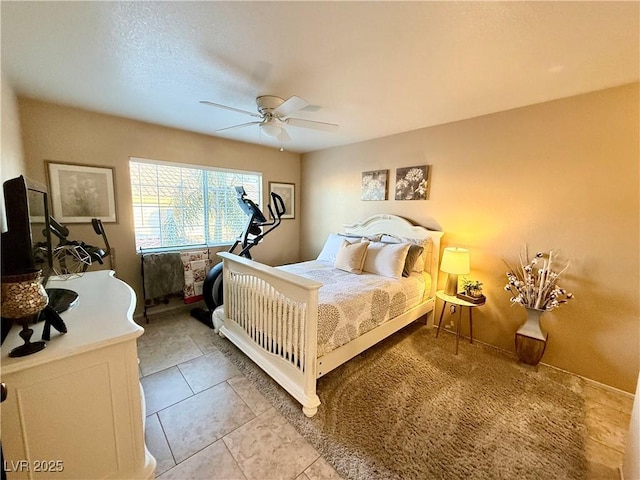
{"x":62,"y":232}
{"x":99,"y":229}
{"x":278,"y":203}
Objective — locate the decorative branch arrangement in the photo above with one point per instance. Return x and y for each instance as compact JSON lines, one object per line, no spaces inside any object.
{"x":535,"y":286}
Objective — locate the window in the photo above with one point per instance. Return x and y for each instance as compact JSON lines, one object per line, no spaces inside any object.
{"x":178,"y":205}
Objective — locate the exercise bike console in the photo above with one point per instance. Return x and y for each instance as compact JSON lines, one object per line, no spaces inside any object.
{"x":248,"y":206}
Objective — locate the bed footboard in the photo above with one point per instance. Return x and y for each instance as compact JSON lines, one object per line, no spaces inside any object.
{"x":272,"y":316}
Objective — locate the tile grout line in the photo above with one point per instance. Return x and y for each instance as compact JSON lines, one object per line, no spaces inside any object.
{"x":166,"y":439}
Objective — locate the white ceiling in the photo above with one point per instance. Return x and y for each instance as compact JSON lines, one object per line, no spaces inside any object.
{"x":375,"y":68}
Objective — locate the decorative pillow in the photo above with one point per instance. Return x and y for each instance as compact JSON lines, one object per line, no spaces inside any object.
{"x":423,"y":259}
{"x":415,"y":252}
{"x":330,"y":248}
{"x":351,"y":256}
{"x":386,"y":259}
{"x":426,"y":244}
{"x":419,"y":265}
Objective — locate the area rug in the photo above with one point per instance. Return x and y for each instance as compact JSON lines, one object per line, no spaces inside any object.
{"x":409,"y":408}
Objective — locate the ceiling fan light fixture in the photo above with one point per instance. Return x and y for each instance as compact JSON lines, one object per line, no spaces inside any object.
{"x":271,"y":129}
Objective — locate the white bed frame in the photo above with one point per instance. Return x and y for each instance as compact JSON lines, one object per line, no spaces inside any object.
{"x":272,"y":315}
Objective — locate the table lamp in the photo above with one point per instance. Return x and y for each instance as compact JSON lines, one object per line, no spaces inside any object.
{"x":455,"y":261}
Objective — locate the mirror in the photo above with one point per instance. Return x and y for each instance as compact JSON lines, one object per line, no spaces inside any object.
{"x":60,"y":299}
{"x":40,"y":230}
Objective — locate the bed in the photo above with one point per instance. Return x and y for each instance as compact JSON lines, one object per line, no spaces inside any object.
{"x":297,"y":330}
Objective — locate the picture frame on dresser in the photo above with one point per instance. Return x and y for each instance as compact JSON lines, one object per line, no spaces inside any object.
{"x":81,"y":192}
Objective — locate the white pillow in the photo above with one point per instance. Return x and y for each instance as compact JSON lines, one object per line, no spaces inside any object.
{"x":330,"y":248}
{"x":386,"y":259}
{"x":351,"y":256}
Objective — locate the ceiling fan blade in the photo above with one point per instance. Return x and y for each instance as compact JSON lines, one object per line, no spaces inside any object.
{"x":290,"y":105}
{"x":284,"y":136}
{"x":301,"y":122}
{"x":211,"y":104}
{"x":238,"y":126}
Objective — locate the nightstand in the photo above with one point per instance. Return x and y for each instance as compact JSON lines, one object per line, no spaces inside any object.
{"x":453,"y":300}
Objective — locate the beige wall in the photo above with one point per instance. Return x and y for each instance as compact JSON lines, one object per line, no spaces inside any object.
{"x":13,"y":163}
{"x":562,"y":175}
{"x":559,"y":175}
{"x":63,"y":134}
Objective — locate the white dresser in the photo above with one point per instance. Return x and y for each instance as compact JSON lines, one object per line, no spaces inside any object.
{"x":75,"y":410}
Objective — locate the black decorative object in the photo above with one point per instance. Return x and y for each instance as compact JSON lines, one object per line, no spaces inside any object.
{"x":52,"y":319}
{"x":61,"y":299}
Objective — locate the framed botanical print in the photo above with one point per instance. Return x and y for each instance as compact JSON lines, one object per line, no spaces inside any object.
{"x":80,"y":193}
{"x":374,"y":185}
{"x":413,"y":183}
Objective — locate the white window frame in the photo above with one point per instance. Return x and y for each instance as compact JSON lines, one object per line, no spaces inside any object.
{"x":208,"y":242}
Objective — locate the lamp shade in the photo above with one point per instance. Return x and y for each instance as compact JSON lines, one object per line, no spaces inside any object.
{"x":271,"y":129}
{"x":455,"y":260}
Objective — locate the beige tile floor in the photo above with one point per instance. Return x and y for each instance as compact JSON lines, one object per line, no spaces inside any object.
{"x":206,"y":421}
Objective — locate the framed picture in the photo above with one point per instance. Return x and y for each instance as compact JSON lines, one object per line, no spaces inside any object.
{"x":81,"y":192}
{"x":413,"y":183}
{"x":288,"y":193}
{"x":374,"y":185}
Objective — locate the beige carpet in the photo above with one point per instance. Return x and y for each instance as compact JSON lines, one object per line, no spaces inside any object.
{"x":410,"y":409}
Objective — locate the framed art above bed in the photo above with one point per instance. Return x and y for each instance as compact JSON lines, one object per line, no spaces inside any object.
{"x":374,"y":185}
{"x":413,"y":183}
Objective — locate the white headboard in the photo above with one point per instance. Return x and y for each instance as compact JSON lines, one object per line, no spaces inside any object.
{"x":385,"y":223}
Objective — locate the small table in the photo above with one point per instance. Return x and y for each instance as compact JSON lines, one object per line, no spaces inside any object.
{"x":452,"y":299}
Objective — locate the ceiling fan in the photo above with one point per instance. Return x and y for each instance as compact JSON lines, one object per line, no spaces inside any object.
{"x":273,"y":113}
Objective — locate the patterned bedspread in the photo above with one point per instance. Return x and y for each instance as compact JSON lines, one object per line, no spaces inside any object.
{"x":351,"y":305}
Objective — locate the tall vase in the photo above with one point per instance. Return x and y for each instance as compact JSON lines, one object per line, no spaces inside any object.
{"x":530,"y":339}
{"x":23,"y":297}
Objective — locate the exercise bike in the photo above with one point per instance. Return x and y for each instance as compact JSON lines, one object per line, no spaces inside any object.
{"x":256,"y":229}
{"x":70,"y":257}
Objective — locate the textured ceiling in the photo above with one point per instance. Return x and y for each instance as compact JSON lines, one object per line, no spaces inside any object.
{"x":375,"y":68}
